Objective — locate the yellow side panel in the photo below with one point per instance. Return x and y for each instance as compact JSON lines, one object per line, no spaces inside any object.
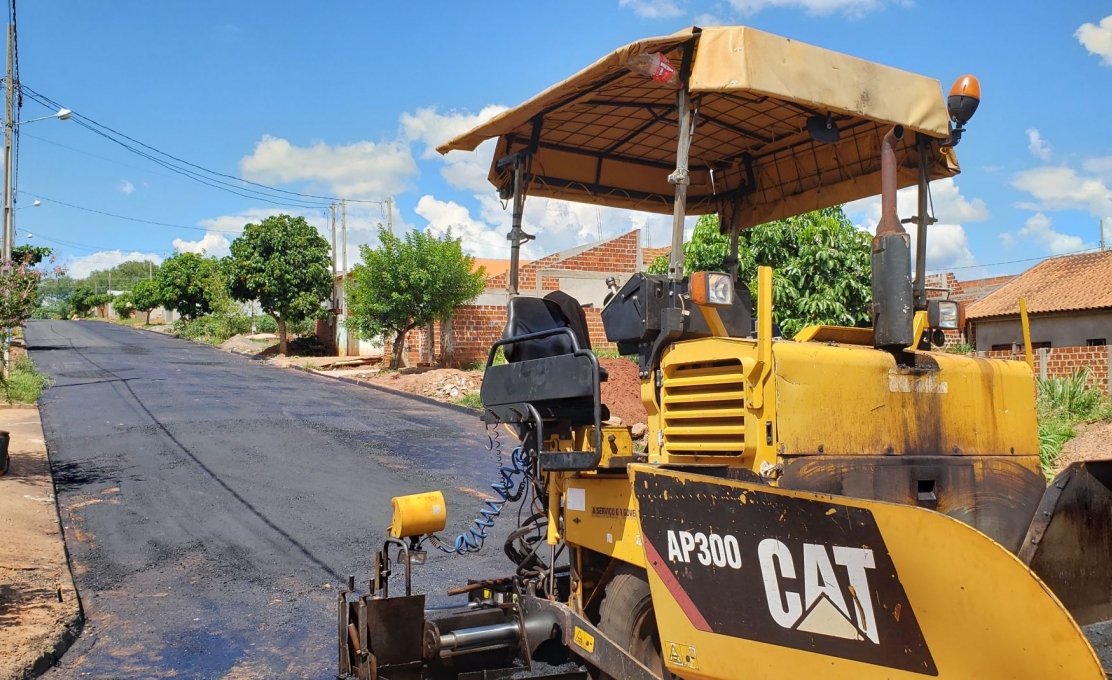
{"x":844,"y":400}
{"x":767,"y":584}
{"x":599,"y":514}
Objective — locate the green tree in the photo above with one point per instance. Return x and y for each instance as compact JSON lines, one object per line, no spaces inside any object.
{"x":187,"y":283}
{"x":54,"y":298}
{"x":284,"y":264}
{"x":144,"y":296}
{"x":124,"y":305}
{"x":822,"y":266}
{"x":19,"y":289}
{"x":32,"y":255}
{"x":404,"y":284}
{"x":100,"y":301}
{"x":123,"y":276}
{"x":81,"y":300}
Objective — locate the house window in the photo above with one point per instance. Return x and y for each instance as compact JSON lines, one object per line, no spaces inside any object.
{"x":1096,"y":342}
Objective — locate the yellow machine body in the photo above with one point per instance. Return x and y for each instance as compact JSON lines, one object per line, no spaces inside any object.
{"x":837,"y":399}
{"x":418,"y":514}
{"x":940,"y":599}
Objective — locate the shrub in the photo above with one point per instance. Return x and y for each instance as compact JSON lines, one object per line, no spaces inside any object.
{"x":25,"y":383}
{"x":213,"y":329}
{"x":1062,"y":404}
{"x":265,"y":323}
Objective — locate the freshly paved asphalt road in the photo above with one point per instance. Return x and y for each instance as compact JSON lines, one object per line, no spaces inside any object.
{"x":207,"y":500}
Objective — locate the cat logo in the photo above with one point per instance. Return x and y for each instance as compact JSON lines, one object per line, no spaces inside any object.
{"x":683,"y":656}
{"x":800,"y":573}
{"x":822,"y":608}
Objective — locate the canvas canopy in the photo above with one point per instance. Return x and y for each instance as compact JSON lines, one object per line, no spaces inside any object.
{"x":608,"y":136}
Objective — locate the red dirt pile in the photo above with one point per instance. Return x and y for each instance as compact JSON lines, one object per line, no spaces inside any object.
{"x":622,"y":391}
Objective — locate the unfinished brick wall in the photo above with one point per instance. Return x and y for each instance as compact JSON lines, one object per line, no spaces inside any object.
{"x":617,"y":255}
{"x":1063,"y":362}
{"x":473,"y":329}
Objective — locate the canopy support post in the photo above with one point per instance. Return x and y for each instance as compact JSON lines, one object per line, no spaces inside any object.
{"x":517,"y":235}
{"x":681,"y":179}
{"x":735,"y":232}
{"x":923,"y":220}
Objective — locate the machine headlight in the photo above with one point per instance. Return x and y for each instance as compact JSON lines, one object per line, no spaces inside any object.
{"x":712,"y":289}
{"x":944,"y":314}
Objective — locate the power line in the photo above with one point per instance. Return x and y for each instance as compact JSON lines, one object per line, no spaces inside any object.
{"x":103,"y":158}
{"x":124,"y":217}
{"x":1029,"y":259}
{"x":307,"y":200}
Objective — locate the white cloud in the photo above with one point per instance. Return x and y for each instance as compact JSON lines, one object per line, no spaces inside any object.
{"x":479,"y":238}
{"x":462,"y":169}
{"x":1039,"y":147}
{"x":213,"y":245}
{"x":81,"y":267}
{"x":433,"y":128}
{"x":1097,"y":39}
{"x":1038,"y":228}
{"x":707,"y":19}
{"x":947,"y":241}
{"x":125,"y":187}
{"x":653,"y":9}
{"x":363,"y":169}
{"x":1062,"y":188}
{"x":853,"y":8}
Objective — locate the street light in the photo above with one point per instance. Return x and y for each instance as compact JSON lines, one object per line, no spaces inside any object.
{"x":61,"y":114}
{"x":36,"y":204}
{"x":9,"y":213}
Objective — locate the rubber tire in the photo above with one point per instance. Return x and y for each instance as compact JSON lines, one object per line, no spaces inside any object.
{"x":623,"y":612}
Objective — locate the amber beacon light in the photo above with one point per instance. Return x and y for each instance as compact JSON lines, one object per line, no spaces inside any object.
{"x":965,"y":97}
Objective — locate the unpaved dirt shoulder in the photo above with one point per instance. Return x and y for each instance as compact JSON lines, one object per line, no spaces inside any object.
{"x":40,"y":614}
{"x":1093,"y":442}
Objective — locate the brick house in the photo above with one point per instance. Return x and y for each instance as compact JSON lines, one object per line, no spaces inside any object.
{"x":580,"y":272}
{"x":1069,"y":306}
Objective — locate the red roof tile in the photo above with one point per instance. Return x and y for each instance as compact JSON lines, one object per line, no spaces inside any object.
{"x":1058,"y":284}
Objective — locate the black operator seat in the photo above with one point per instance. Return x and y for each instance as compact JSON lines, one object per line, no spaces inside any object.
{"x":533,"y":315}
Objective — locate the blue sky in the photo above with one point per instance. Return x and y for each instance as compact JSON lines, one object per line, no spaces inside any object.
{"x":348,"y":98}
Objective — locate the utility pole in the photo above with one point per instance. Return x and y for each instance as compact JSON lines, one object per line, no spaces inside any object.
{"x":335,"y":286}
{"x":1102,"y":236}
{"x":390,"y":214}
{"x":9,"y":132}
{"x":344,"y":245}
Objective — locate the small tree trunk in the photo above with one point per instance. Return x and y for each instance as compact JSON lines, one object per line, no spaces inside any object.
{"x":148,"y":318}
{"x":283,"y":342}
{"x":397,"y":353}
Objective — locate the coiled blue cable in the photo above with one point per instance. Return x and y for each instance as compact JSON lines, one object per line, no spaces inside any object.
{"x":472,"y":540}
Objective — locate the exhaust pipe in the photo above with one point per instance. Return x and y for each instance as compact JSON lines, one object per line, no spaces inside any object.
{"x":892,"y":310}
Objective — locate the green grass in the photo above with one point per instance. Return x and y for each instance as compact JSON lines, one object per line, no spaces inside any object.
{"x":480,"y":365}
{"x":1064,"y":403}
{"x":470,"y":401}
{"x":25,"y":383}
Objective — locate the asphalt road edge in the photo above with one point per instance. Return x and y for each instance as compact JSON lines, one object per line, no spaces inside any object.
{"x":388,"y":390}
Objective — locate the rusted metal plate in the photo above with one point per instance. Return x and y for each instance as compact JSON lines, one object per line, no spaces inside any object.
{"x":394,"y":628}
{"x":1069,"y":545}
{"x":997,"y":495}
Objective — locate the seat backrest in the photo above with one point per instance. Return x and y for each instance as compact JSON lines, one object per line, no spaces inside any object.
{"x":533,"y":315}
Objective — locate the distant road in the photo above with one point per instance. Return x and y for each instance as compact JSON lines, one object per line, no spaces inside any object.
{"x":207,"y":500}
